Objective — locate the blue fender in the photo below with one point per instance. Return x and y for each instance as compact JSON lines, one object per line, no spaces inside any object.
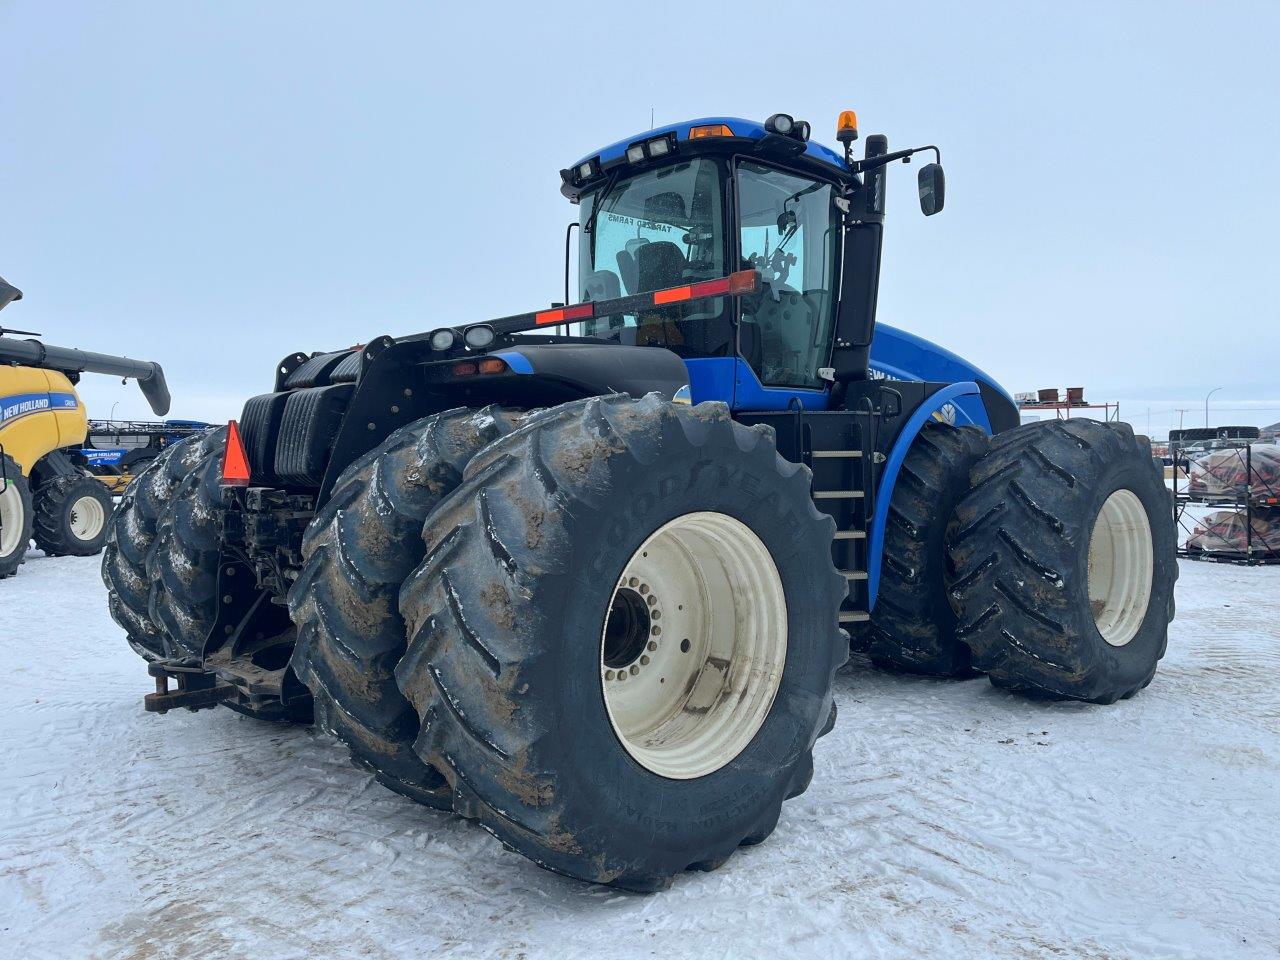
{"x":966,"y":400}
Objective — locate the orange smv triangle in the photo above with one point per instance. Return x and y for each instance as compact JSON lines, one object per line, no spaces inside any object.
{"x":235,"y":465}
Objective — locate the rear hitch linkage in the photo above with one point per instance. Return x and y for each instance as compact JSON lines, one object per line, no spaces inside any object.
{"x":197,"y":689}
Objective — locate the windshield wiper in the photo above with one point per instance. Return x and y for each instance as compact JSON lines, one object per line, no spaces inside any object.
{"x":590,"y":225}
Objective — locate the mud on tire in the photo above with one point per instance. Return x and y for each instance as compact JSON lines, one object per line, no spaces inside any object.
{"x":130,"y":533}
{"x":913,"y":627}
{"x":1019,"y":555}
{"x":182,"y":561}
{"x":357,"y":552}
{"x":505,"y":619}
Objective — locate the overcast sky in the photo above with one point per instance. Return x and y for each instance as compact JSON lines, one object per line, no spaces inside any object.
{"x":217,"y":185}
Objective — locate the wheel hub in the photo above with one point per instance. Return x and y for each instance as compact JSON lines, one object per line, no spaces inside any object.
{"x":693,"y":646}
{"x":633,"y":617}
{"x":1121,"y":567}
{"x":87,"y":518}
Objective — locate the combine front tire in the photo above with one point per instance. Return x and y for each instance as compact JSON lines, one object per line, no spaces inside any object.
{"x":1062,"y":559}
{"x":622,"y":638}
{"x":913,"y":627}
{"x":357,"y":552}
{"x":71,"y":516}
{"x":16,"y":516}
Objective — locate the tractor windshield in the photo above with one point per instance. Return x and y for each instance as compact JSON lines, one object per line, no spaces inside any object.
{"x":659,"y":229}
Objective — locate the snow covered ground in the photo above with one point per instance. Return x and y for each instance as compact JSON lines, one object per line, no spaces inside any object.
{"x":945,"y":820}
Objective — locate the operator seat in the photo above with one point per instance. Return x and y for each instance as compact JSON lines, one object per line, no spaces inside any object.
{"x":659,"y":264}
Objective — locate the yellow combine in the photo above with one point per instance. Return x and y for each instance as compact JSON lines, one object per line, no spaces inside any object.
{"x":46,"y":494}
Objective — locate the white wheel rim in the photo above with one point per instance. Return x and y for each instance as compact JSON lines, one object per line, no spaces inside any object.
{"x":11,"y":520}
{"x":1121,"y":567}
{"x":87,"y":518}
{"x":694,"y":645}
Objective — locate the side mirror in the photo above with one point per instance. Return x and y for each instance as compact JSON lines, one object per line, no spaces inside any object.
{"x":933,"y":188}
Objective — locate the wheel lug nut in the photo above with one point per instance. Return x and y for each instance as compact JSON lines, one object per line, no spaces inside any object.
{"x":652,"y":646}
{"x":644,"y":660}
{"x":608,"y":674}
{"x":657,"y":632}
{"x":634,"y":669}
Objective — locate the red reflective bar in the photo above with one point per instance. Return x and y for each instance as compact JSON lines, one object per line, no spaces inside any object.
{"x":580,"y":311}
{"x":235,"y":464}
{"x":674,"y":295}
{"x":744,"y":281}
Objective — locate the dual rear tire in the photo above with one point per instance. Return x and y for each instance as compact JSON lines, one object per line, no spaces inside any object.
{"x":1043,"y":557}
{"x":136,"y":589}
{"x":1063,"y":562}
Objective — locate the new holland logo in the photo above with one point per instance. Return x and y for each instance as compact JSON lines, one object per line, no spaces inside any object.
{"x":11,"y":408}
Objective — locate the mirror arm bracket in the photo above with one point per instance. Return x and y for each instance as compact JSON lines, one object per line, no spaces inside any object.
{"x":875,"y":163}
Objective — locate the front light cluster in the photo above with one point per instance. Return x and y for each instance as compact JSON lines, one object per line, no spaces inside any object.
{"x":653,"y":149}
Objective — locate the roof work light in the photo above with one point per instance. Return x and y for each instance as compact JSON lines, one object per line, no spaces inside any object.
{"x":650,"y":149}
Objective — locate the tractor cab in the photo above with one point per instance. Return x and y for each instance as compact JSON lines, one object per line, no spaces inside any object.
{"x":698,"y":201}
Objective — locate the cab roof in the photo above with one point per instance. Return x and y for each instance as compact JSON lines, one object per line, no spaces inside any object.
{"x":743,"y":129}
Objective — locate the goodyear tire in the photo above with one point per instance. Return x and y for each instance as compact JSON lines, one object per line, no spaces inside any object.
{"x":534,"y":611}
{"x":182,"y":562}
{"x":1062,"y":561}
{"x":356,"y":554}
{"x":16,"y":517}
{"x":131,"y":533}
{"x":913,"y":627}
{"x":71,"y":516}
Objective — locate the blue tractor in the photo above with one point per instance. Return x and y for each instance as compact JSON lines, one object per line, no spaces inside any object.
{"x":585,"y":574}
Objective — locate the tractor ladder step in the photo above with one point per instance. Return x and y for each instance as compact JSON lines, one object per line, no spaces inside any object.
{"x":851,"y":534}
{"x":853,"y":574}
{"x":854,"y":616}
{"x":833,"y":454}
{"x":837,"y":494}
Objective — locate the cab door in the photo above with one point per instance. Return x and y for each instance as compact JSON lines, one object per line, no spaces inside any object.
{"x":789,"y":231}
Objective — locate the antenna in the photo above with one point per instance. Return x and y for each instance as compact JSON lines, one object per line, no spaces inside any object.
{"x":651,"y":118}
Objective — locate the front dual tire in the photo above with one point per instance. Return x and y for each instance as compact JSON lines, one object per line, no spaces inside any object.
{"x":515,"y":624}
